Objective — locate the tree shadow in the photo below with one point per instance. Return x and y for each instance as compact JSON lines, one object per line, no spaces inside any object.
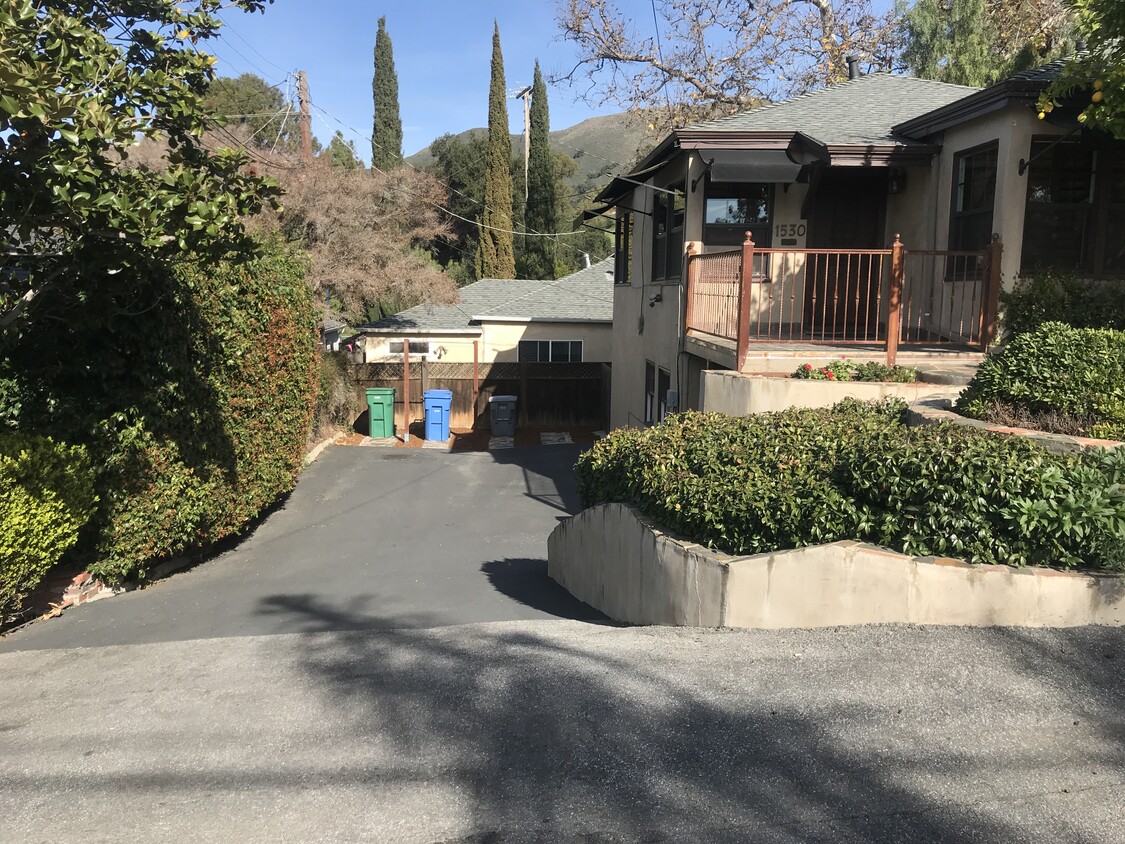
{"x":552,"y":735}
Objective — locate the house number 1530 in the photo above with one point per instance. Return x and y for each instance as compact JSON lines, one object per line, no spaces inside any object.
{"x":789,"y":230}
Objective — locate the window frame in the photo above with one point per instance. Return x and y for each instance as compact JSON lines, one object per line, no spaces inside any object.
{"x":762,"y":231}
{"x":650,"y":392}
{"x":668,"y":248}
{"x":413,"y":351}
{"x":551,"y":350}
{"x":1098,"y":210}
{"x":663,"y":385}
{"x":623,"y":247}
{"x":956,"y":233}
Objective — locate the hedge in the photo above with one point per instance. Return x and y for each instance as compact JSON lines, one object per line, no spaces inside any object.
{"x":194,"y":397}
{"x":1056,"y":370}
{"x":1062,"y":297}
{"x":46,"y":496}
{"x":804,"y":477}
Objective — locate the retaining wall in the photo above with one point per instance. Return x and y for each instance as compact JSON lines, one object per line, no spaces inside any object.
{"x":614,"y":559}
{"x":742,"y":395}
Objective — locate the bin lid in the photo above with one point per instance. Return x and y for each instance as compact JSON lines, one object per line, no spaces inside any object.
{"x":511,"y":399}
{"x":380,"y":391}
{"x":438,"y":394}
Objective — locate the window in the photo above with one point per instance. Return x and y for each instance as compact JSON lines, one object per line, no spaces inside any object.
{"x":650,"y":391}
{"x":417,"y":347}
{"x":732,"y":210}
{"x":974,"y":195}
{"x":1075,"y":218}
{"x":668,"y":233}
{"x":663,"y":385}
{"x":623,"y":248}
{"x":550,"y":351}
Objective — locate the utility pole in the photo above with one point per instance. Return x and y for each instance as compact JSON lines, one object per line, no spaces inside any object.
{"x":306,"y":118}
{"x":525,"y":95}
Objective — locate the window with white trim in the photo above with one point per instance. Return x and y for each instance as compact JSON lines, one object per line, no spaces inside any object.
{"x":550,"y":351}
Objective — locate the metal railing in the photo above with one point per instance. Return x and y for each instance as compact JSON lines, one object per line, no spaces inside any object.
{"x":844,"y":296}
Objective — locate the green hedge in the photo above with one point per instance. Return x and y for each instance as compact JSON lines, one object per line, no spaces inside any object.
{"x":804,"y":477}
{"x":1062,"y":297}
{"x":194,"y":395}
{"x":46,"y":496}
{"x":1078,"y":373}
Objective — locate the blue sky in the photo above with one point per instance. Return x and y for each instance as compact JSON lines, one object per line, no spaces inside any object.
{"x":442,"y":50}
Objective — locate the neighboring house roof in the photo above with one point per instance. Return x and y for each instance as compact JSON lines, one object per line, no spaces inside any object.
{"x":857,"y":112}
{"x":1021,"y":88}
{"x":330,"y":325}
{"x":584,"y":296}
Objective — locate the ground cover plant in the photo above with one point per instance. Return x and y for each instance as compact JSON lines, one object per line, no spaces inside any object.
{"x":856,"y":471}
{"x":1055,"y":378}
{"x":850,"y":370}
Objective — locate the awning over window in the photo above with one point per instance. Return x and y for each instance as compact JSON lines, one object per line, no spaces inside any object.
{"x":764,"y":165}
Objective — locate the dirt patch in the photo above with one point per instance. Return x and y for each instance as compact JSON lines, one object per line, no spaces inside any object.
{"x":1051,"y":421}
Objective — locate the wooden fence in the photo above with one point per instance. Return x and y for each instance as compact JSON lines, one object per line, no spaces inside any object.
{"x":547,"y":394}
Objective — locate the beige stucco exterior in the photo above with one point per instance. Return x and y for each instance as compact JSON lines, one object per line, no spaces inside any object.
{"x":498,"y":342}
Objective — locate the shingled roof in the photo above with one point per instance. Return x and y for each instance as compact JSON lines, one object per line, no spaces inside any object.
{"x":584,"y":296}
{"x":857,"y":112}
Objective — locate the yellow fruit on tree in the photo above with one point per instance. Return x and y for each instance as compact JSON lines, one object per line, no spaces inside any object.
{"x":1098,"y":84}
{"x":1097,"y":96}
{"x":1042,"y":115}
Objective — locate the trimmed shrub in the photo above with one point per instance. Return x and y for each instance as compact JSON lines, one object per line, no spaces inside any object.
{"x":1062,"y":297}
{"x":225,"y":436}
{"x":46,"y":496}
{"x":849,"y":370}
{"x":855,"y":471}
{"x":1056,"y":369}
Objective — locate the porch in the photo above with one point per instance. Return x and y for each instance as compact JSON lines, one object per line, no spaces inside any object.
{"x":769,"y":310}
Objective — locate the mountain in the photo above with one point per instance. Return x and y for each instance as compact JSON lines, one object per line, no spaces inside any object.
{"x":600,"y":146}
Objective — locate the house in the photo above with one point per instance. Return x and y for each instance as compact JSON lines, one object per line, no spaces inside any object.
{"x":568,"y":320}
{"x":330,"y":334}
{"x":877,"y":218}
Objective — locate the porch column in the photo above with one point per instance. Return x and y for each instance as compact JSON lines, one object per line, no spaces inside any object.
{"x":745,"y":297}
{"x":894,"y":300}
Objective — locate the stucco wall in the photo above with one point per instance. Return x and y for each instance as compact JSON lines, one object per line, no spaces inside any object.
{"x":616,"y":561}
{"x":499,"y":342}
{"x":742,"y":395}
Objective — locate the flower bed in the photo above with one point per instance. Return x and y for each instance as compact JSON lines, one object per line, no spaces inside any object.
{"x":850,"y":370}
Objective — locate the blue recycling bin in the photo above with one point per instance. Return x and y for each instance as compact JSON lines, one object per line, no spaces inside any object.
{"x":437,"y":403}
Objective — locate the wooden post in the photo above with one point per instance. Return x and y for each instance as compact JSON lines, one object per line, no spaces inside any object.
{"x":406,"y":390}
{"x":476,"y":381}
{"x":894,"y":299}
{"x":692,"y":280}
{"x":745,"y":297}
{"x":306,"y":118}
{"x":992,"y":295}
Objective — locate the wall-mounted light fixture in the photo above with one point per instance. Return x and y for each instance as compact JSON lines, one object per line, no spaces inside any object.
{"x":654,"y":298}
{"x":896,"y":181}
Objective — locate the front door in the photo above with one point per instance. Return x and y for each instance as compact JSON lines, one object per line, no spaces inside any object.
{"x":847,"y":212}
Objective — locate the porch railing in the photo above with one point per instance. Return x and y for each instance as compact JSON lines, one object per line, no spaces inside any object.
{"x":881,"y":297}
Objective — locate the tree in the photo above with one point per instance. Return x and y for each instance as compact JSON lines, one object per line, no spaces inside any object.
{"x":978,"y":42}
{"x":717,"y":57}
{"x":248,"y":102}
{"x":460,"y":164}
{"x":1095,"y":77}
{"x":386,"y":137}
{"x":542,"y":188}
{"x":79,"y":84}
{"x":368,"y":235}
{"x":341,"y":153}
{"x":496,"y":254}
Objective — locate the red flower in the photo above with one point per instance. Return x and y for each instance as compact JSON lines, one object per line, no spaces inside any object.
{"x":808,"y":367}
{"x":831,"y":377}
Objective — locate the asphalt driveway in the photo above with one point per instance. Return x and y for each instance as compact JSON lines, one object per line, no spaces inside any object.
{"x":384,"y":660}
{"x":400,"y":538}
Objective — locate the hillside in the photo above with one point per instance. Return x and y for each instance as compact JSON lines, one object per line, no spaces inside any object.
{"x":600,"y":146}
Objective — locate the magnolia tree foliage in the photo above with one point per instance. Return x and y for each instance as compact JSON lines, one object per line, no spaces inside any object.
{"x":717,"y":57}
{"x":80,"y":84}
{"x":1097,"y":76}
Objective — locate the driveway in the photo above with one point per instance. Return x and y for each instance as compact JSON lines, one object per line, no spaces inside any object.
{"x":383,"y":660}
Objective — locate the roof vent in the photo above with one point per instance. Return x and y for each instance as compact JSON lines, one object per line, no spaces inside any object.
{"x":853,"y":66}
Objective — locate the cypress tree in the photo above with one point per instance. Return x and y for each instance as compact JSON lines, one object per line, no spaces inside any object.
{"x":497,"y":255}
{"x":386,"y":137}
{"x":542,"y":201}
{"x":955,"y":43}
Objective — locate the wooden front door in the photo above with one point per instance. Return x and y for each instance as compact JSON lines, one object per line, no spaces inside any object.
{"x":847,"y":211}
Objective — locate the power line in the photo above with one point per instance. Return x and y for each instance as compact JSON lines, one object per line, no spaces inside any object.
{"x":234,"y":32}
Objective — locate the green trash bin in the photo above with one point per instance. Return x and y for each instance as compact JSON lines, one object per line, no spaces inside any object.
{"x":381,"y":410}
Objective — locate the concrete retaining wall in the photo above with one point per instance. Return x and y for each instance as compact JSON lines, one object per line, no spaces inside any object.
{"x":615,"y":560}
{"x":742,"y":395}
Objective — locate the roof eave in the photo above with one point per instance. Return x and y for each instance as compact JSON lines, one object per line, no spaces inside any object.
{"x":415,"y":331}
{"x":521,"y":319}
{"x":991,"y":99}
{"x":882,"y":155}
